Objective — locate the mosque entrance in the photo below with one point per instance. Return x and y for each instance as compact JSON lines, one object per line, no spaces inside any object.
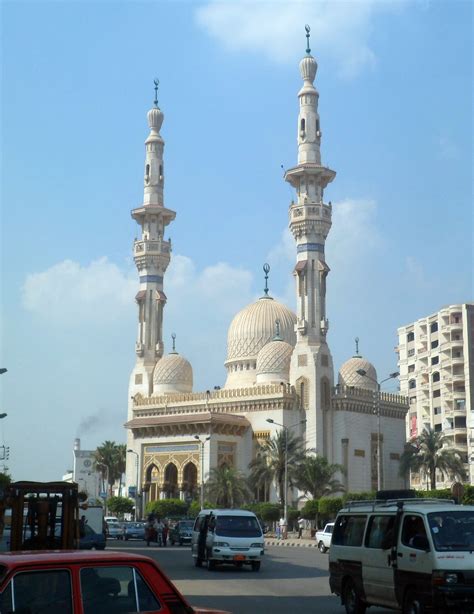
{"x":152,"y":478}
{"x":170,"y":486}
{"x":190,"y":476}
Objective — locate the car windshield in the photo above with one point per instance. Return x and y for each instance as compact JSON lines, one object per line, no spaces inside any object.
{"x":238,"y":526}
{"x":452,"y":531}
{"x":187,"y":524}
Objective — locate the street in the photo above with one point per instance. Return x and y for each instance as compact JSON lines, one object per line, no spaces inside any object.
{"x":290,"y":577}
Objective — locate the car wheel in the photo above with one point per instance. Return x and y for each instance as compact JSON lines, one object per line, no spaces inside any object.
{"x":352,"y":602}
{"x":322,"y":547}
{"x":255,"y":565}
{"x":412,"y":603}
{"x":198,"y":562}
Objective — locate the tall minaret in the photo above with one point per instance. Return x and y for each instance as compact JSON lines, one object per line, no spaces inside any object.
{"x":152,"y":255}
{"x":310,"y":222}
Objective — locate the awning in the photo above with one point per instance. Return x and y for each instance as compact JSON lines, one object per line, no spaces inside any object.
{"x":300,"y":266}
{"x":140,"y":296}
{"x":161,"y":296}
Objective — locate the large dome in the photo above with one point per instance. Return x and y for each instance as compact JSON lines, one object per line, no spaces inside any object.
{"x":273,"y":362}
{"x":251,"y":329}
{"x":173,"y":373}
{"x":348,"y":375}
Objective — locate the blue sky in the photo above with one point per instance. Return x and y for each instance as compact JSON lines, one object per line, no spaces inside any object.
{"x":395,"y":83}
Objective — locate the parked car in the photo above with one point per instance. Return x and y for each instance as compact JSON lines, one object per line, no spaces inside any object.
{"x":323,"y":538}
{"x":91,"y":539}
{"x":114,"y":530}
{"x":182,"y":532}
{"x":134,"y":530}
{"x":88,"y":582}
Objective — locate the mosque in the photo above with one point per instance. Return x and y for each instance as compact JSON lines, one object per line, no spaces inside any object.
{"x":279,"y":366}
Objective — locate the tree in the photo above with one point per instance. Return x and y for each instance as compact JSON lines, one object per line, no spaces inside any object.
{"x":329,"y":506}
{"x":269,"y":463}
{"x":110,"y":461}
{"x":120,"y":505}
{"x":315,"y":476}
{"x":166,"y":508}
{"x":227,"y":487}
{"x":431,"y":451}
{"x":310,"y":510}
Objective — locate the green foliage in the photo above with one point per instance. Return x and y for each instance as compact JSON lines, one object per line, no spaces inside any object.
{"x":310,"y":510}
{"x":269,"y":512}
{"x":195,"y":508}
{"x":440,"y":493}
{"x":468,"y":498}
{"x":167,"y":508}
{"x":329,"y":506}
{"x":110,"y":460}
{"x":227,"y":487}
{"x":359,"y":496}
{"x":315,"y":476}
{"x":120,"y":505}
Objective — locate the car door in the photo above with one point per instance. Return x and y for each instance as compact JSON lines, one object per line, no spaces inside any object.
{"x":377,"y":571}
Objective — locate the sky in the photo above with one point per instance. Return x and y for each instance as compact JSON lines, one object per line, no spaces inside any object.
{"x":395,"y":83}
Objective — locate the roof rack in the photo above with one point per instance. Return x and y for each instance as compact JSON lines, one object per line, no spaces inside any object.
{"x":381,"y":503}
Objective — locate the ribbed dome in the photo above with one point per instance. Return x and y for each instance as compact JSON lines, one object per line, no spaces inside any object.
{"x":308,"y":68}
{"x":348,"y":375}
{"x":273,"y":362}
{"x":173,"y":373}
{"x":155,"y":118}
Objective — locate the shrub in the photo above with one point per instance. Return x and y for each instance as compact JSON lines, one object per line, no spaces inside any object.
{"x":468,"y":498}
{"x":120,"y":505}
{"x":359,"y":496}
{"x":310,"y":510}
{"x":269,"y":512}
{"x":165,"y":508}
{"x":329,"y":506}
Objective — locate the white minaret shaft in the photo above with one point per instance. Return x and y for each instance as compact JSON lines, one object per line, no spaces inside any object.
{"x":310,"y":218}
{"x":151,"y":253}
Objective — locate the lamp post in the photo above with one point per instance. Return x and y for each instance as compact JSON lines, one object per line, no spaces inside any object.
{"x":136,"y":488}
{"x":364,"y":373}
{"x":285,"y":490}
{"x":202,"y":442}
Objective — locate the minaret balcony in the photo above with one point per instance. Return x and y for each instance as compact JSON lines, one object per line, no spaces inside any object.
{"x":151,"y":247}
{"x":321,"y":174}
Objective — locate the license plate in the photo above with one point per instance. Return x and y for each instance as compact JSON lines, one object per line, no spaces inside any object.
{"x":239,"y":557}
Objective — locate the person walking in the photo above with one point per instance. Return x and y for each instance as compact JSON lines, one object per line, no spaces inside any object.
{"x":300,"y":527}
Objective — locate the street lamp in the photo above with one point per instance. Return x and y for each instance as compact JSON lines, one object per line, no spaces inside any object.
{"x":136,"y":489}
{"x":285,"y":492}
{"x":364,"y":373}
{"x":202,"y":442}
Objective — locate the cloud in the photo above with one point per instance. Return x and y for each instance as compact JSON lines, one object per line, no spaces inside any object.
{"x":275,"y":29}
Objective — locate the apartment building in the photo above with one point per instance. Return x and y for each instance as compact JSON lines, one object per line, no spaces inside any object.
{"x":436,"y":364}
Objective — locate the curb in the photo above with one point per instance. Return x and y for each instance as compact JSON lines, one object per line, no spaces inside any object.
{"x":291,"y":543}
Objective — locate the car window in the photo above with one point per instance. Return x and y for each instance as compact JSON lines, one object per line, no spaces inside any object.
{"x":380,"y":530}
{"x":115,"y":589}
{"x":37,"y":592}
{"x":238,"y":526}
{"x":330,"y":528}
{"x":349,"y":530}
{"x":414,"y":532}
{"x":452,"y":531}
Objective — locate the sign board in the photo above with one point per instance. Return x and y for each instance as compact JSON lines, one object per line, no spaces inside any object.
{"x":103,"y":495}
{"x":132,"y":492}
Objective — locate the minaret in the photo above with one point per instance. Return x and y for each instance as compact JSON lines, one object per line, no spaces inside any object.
{"x":310,"y":222}
{"x":152,"y":255}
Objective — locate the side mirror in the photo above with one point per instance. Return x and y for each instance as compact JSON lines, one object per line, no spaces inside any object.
{"x":420,"y":542}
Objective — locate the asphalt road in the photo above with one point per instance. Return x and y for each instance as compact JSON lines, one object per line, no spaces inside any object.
{"x":290,"y":580}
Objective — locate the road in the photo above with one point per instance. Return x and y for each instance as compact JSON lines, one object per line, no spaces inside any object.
{"x":290,"y":578}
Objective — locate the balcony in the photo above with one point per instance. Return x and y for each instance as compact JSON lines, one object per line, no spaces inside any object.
{"x":151,"y":247}
{"x":446,"y":346}
{"x":422,"y":352}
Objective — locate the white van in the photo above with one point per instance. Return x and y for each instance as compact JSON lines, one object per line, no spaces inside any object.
{"x":413,"y":554}
{"x":227,"y":536}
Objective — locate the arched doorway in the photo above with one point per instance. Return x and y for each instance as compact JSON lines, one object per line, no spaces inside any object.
{"x":170,"y":486}
{"x":190,"y":475}
{"x":152,"y":478}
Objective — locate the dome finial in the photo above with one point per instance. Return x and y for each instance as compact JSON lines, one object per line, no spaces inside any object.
{"x":308,"y":30}
{"x":173,"y":337}
{"x":357,"y":346}
{"x":157,"y":83}
{"x":266,"y":270}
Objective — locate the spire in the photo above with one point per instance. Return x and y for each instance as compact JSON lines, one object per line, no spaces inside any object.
{"x":173,"y":337}
{"x":157,"y":83}
{"x":357,"y":347}
{"x":266,"y":270}
{"x":308,"y":30}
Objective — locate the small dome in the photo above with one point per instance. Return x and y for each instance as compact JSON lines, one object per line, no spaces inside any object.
{"x":308,"y":68}
{"x":273,"y":362}
{"x":348,"y":375}
{"x":155,"y":118}
{"x":173,"y":373}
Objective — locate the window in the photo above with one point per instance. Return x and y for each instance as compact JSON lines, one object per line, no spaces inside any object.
{"x":435,"y":360}
{"x":349,"y":530}
{"x":412,"y":400}
{"x":380,"y":530}
{"x":39,"y":591}
{"x":434,"y":344}
{"x":437,"y":428}
{"x":411,"y":352}
{"x":414,"y":533}
{"x":317,"y":125}
{"x":436,"y":394}
{"x":238,"y":526}
{"x":411,"y":368}
{"x":115,"y":589}
{"x":434,"y":327}
{"x":410,"y":337}
{"x":302,"y":125}
{"x":412,"y":383}
{"x":436,"y":411}
{"x":436,"y":376}
{"x":460,"y":403}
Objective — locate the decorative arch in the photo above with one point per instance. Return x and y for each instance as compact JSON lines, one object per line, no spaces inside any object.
{"x":170,"y":483}
{"x":302,"y":390}
{"x":152,"y":477}
{"x":325,"y":393}
{"x":190,"y":480}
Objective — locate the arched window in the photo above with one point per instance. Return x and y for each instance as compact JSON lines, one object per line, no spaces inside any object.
{"x":161,"y":172}
{"x":302,"y":126}
{"x":170,"y":485}
{"x":412,"y":383}
{"x":147,"y":173}
{"x":152,"y":476}
{"x":434,"y":327}
{"x":302,"y":390}
{"x":436,"y":376}
{"x":325,"y":393}
{"x":190,"y":477}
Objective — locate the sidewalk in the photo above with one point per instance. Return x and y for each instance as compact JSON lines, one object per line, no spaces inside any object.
{"x":292,"y":540}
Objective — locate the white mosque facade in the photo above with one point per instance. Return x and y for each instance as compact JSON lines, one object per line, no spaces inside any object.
{"x":279,"y":365}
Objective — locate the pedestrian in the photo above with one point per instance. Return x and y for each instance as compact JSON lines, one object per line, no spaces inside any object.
{"x":164,"y":532}
{"x":300,"y":527}
{"x":158,"y":526}
{"x":278,"y":531}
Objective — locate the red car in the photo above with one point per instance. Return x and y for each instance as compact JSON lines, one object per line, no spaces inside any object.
{"x":82,"y":582}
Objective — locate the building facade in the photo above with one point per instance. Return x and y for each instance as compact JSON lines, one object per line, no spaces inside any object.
{"x":279,"y":366}
{"x":436,"y":362}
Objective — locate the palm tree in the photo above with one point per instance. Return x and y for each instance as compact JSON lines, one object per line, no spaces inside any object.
{"x":108,"y":460}
{"x":315,"y":477}
{"x":269,"y":463}
{"x":429,"y":452}
{"x":121,"y":462}
{"x":227,"y":487}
